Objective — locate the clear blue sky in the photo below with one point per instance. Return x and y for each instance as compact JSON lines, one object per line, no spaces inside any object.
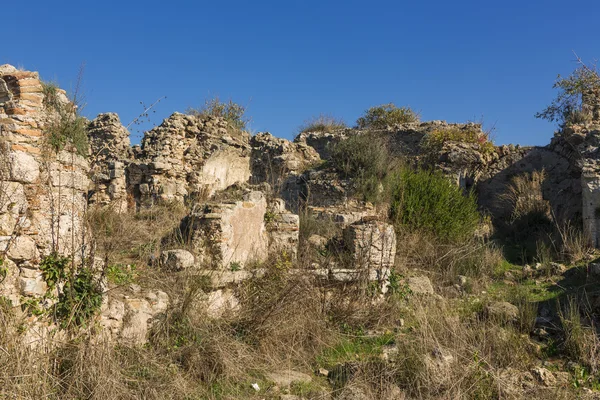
{"x":289,"y":60}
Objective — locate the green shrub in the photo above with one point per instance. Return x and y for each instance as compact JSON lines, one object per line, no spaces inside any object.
{"x":66,"y":127}
{"x":80,"y":299}
{"x":386,"y":115}
{"x":428,"y":201}
{"x":54,"y":269}
{"x":231,"y":112}
{"x":120,"y":274}
{"x":322,"y":123}
{"x":79,"y":291}
{"x":367,"y":161}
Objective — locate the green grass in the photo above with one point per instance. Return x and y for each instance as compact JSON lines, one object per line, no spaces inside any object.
{"x":534,"y":292}
{"x":352,"y":349}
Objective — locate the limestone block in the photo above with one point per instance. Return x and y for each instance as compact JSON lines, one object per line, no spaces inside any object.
{"x":20,"y":248}
{"x":221,"y":301}
{"x":23,"y":167}
{"x":372,"y":244}
{"x":10,"y":285}
{"x":229,"y":234}
{"x":33,"y":285}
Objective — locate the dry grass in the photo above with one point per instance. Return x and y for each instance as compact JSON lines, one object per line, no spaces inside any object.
{"x":444,"y":262}
{"x":322,"y":123}
{"x":580,"y":339}
{"x":124,"y":237}
{"x":449,"y":356}
{"x":525,"y":196}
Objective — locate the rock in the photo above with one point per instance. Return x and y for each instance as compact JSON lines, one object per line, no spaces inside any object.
{"x":318,"y":242}
{"x":220,"y":302}
{"x":273,"y":159}
{"x":420,"y":285}
{"x":22,"y":248}
{"x":544,"y":376}
{"x":24,"y":167}
{"x":502,"y":311}
{"x":371,"y":243}
{"x":287,"y":377}
{"x":353,"y":391}
{"x":229,"y":234}
{"x":177,"y":260}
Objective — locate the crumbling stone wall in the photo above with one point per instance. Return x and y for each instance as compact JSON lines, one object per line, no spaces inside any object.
{"x":111,"y":151}
{"x":580,"y":143}
{"x":42,"y":193}
{"x":274,"y":160}
{"x":186,"y":157}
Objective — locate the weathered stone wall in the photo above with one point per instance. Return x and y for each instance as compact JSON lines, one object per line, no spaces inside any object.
{"x":186,"y":157}
{"x":275,"y":160}
{"x":42,"y":193}
{"x":192,"y":156}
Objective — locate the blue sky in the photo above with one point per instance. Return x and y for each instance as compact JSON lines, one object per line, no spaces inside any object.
{"x":290,"y":60}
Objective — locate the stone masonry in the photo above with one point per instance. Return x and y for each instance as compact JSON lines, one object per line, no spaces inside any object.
{"x":42,"y":193}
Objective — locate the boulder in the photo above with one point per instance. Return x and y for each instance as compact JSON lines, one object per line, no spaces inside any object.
{"x":502,"y":311}
{"x":177,"y":260}
{"x":420,"y":285}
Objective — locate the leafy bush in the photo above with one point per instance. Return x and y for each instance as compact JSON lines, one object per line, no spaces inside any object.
{"x":436,"y":139}
{"x":79,"y":292}
{"x":426,"y":200}
{"x":386,"y":115}
{"x":322,"y":123}
{"x":231,"y":112}
{"x":568,"y":106}
{"x":79,"y":300}
{"x":66,"y":127}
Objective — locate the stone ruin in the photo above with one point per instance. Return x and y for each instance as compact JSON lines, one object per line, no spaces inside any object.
{"x":194,"y":159}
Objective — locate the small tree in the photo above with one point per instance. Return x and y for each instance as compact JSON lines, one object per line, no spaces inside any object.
{"x":569,"y":106}
{"x":386,"y":115}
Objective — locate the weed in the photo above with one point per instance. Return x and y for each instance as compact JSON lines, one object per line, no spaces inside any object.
{"x":120,"y":274}
{"x":65,"y":127}
{"x":322,"y":123}
{"x":434,"y":141}
{"x":231,"y":112}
